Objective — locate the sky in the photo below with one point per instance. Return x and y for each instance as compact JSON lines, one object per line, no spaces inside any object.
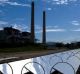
{"x":62,"y":18}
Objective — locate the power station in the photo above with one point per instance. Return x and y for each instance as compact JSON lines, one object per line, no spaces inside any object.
{"x":33,"y":25}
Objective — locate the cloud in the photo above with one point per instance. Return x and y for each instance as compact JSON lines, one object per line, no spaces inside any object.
{"x":77,"y":30}
{"x":20,"y":27}
{"x":1,"y":28}
{"x":3,"y":22}
{"x":4,"y":2}
{"x":49,"y":9}
{"x":37,"y":27}
{"x":76,"y":23}
{"x":55,"y":26}
{"x":55,"y":30}
{"x":18,"y":4}
{"x":50,"y":27}
{"x":39,"y":31}
{"x":60,"y":2}
{"x":52,"y":30}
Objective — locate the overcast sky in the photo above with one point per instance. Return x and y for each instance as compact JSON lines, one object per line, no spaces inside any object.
{"x":62,"y":17}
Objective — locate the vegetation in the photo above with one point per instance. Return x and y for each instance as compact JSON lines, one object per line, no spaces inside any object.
{"x":69,"y":46}
{"x":29,"y":47}
{"x":37,"y":47}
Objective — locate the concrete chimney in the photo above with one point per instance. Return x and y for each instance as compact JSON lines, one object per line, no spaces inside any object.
{"x":44,"y":28}
{"x":32,"y":23}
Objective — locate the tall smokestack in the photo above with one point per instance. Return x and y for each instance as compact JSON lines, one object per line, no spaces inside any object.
{"x":44,"y":28}
{"x":32,"y":23}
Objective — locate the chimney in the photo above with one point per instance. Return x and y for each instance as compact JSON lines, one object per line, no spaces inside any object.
{"x":44,"y":28}
{"x":32,"y":23}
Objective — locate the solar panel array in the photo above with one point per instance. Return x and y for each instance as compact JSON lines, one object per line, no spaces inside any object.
{"x":67,"y":62}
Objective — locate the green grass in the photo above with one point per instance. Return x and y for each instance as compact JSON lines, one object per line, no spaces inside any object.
{"x":23,"y":49}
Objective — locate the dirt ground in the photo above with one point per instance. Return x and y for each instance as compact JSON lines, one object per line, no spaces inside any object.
{"x":10,"y":57}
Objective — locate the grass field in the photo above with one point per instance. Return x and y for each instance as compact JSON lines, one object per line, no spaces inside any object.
{"x":32,"y":47}
{"x":23,"y":48}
